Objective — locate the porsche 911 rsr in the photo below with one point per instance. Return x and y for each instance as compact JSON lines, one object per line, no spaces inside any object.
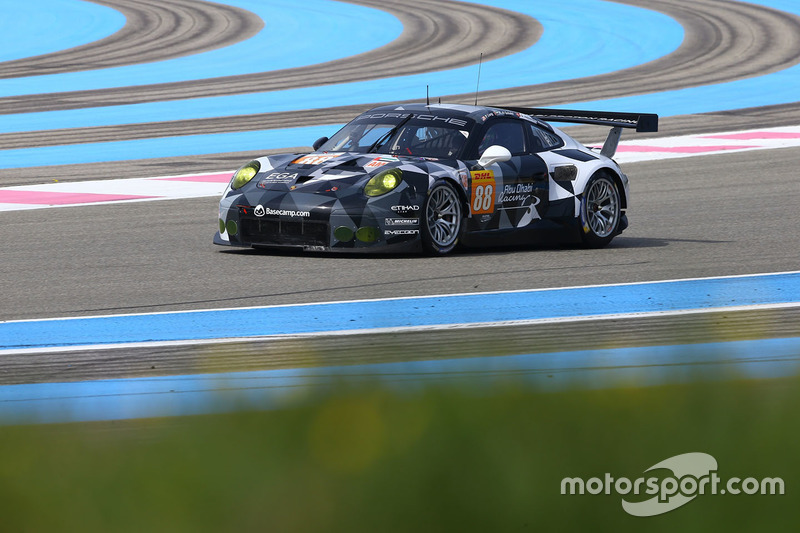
{"x":430,"y":177}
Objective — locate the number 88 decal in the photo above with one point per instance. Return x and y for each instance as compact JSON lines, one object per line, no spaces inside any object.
{"x":482,"y":203}
{"x":483,"y":187}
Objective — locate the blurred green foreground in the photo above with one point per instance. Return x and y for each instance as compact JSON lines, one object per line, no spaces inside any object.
{"x":433,"y":458}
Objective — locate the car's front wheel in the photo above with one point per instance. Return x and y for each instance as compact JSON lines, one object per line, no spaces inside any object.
{"x":441,"y":225}
{"x":600,"y":211}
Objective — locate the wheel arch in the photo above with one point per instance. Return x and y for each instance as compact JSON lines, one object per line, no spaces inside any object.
{"x":457,"y":185}
{"x":611,"y":172}
{"x":429,"y":243}
{"x":623,"y":190}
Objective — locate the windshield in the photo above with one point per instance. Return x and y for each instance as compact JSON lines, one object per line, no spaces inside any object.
{"x":402,"y":134}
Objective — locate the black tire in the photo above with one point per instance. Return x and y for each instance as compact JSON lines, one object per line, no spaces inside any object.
{"x":442,"y":219}
{"x":601,"y":211}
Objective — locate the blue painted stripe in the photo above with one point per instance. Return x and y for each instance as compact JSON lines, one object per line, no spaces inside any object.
{"x":183,"y":146}
{"x":36,"y":27}
{"x":777,"y":88}
{"x":197,"y":394}
{"x":405,"y":312}
{"x":614,"y":38}
{"x":773,"y":89}
{"x":323,"y":30}
{"x":573,"y":45}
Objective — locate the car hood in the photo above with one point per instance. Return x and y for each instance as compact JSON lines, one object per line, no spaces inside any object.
{"x":323,"y":172}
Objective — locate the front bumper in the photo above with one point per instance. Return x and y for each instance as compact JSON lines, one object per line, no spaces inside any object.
{"x":376,"y":228}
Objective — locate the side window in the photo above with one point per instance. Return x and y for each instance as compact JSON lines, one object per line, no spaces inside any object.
{"x":430,"y":141}
{"x":508,"y":133}
{"x":543,"y":139}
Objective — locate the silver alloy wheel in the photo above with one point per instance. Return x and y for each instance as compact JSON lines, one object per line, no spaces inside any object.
{"x":602,"y":207}
{"x":444,"y":216}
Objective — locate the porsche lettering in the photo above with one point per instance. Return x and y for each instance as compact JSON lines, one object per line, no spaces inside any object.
{"x":446,"y":120}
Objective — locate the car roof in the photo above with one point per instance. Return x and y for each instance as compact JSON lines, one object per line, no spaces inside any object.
{"x":479,"y":114}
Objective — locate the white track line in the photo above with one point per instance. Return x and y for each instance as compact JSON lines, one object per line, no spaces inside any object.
{"x":95,"y":192}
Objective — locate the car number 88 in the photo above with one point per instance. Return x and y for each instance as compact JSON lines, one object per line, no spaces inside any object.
{"x":483,"y":199}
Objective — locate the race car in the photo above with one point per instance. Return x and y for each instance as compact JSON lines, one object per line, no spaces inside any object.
{"x":420,"y":177}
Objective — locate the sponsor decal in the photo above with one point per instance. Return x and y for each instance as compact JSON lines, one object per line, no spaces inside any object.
{"x":381,"y":161}
{"x":482,"y":192}
{"x":402,"y":222}
{"x":520,"y":192}
{"x":261,"y":211}
{"x":276,"y":177}
{"x":315,"y":159}
{"x":463,"y":176}
{"x":405,"y":209}
{"x":392,"y":232}
{"x":280,"y":177}
{"x":499,"y":113}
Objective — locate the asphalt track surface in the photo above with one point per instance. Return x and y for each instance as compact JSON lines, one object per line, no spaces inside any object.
{"x":695,"y":217}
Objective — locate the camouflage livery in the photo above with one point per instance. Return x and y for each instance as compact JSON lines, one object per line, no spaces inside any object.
{"x":428,"y":177}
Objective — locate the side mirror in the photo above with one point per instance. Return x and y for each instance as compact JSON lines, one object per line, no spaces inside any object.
{"x":319,"y":142}
{"x":494,"y":154}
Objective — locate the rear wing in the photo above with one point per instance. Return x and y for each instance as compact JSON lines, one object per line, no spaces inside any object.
{"x":643,"y":122}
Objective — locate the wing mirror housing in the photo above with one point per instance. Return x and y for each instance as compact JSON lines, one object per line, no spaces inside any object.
{"x":319,"y":142}
{"x":494,"y":154}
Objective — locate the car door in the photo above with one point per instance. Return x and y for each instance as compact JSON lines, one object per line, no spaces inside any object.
{"x":519,"y":186}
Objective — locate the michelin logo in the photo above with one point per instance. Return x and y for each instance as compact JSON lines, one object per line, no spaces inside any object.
{"x":402,"y":221}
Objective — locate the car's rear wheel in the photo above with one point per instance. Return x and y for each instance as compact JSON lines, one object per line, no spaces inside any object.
{"x":601,"y":211}
{"x":441,"y":225}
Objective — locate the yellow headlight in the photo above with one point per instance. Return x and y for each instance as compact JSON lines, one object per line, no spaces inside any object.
{"x":383,"y":182}
{"x":245,"y":174}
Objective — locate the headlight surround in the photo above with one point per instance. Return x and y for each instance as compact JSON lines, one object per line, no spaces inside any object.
{"x":243,"y":176}
{"x":383,"y":182}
